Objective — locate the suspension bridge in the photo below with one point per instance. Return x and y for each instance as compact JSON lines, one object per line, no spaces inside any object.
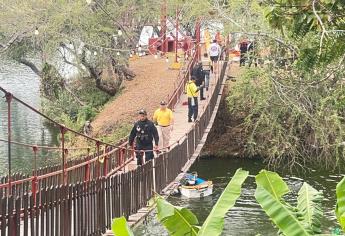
{"x":82,"y":195}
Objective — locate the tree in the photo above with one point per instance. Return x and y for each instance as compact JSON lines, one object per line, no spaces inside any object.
{"x":90,"y":37}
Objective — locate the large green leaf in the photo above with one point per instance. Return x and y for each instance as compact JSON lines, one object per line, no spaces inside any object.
{"x":120,"y":227}
{"x":272,"y":182}
{"x":340,"y":207}
{"x":178,"y":221}
{"x":309,"y":202}
{"x":214,"y":223}
{"x":280,"y":213}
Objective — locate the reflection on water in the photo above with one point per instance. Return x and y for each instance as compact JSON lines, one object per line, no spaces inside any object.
{"x":247,"y":217}
{"x":27,"y":127}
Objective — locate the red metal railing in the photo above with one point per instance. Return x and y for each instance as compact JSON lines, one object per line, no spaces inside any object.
{"x":114,"y":158}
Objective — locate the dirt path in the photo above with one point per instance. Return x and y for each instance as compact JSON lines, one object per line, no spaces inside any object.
{"x":154,"y":81}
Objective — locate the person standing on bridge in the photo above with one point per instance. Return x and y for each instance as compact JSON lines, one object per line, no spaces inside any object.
{"x":206,"y":67}
{"x":144,"y":132}
{"x":164,"y":118}
{"x":192,"y":93}
{"x":214,"y":53}
{"x":198,"y":73}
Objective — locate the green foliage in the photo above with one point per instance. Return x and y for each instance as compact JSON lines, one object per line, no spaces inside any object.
{"x":177,"y":220}
{"x":118,"y":133}
{"x":303,"y":220}
{"x":291,"y":116}
{"x":214,"y":223}
{"x":88,"y":93}
{"x":272,"y":183}
{"x":120,"y":227}
{"x":280,"y":213}
{"x":302,"y":20}
{"x":340,"y":207}
{"x":309,"y":205}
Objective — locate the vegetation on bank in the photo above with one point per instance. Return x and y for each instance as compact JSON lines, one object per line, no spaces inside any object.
{"x":293,"y":108}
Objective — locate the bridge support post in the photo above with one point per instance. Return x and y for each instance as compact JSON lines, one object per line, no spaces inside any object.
{"x":154,"y":174}
{"x":197,"y":37}
{"x":163,"y":31}
{"x":105,"y":164}
{"x":9,"y":97}
{"x":98,"y":166}
{"x":34,"y":180}
{"x":63,"y":165}
{"x":87,"y":172}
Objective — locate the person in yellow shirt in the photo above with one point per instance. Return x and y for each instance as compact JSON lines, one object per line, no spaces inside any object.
{"x":164,"y":118}
{"x":192,"y":93}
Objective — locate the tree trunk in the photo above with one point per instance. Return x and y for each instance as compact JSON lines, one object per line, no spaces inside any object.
{"x":31,"y":65}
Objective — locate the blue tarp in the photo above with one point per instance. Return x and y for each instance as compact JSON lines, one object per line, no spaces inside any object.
{"x":191,"y":177}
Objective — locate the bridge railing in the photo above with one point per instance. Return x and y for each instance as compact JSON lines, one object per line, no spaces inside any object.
{"x":85,"y":168}
{"x":87,"y":208}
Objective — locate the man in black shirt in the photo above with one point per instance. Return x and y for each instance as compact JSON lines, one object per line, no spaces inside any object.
{"x":143,"y":133}
{"x":199,"y":74}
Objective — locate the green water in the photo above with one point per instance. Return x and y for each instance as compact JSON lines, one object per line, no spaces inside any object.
{"x":247,"y":217}
{"x":27,"y":127}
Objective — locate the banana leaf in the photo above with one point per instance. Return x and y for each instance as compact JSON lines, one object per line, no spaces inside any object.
{"x":177,"y":220}
{"x":340,"y":207}
{"x":214,"y":223}
{"x":309,"y":206}
{"x":280,"y":213}
{"x":120,"y":227}
{"x":272,"y":182}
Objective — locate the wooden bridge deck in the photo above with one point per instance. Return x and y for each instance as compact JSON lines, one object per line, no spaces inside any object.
{"x":181,"y":124}
{"x":181,"y":127}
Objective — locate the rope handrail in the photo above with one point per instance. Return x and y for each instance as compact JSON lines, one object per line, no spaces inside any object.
{"x":105,"y":155}
{"x":121,"y":146}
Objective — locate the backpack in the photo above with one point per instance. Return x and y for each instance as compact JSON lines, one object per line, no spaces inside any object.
{"x":142,"y":136}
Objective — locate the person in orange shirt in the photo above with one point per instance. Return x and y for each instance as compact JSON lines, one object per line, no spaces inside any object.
{"x":164,"y":118}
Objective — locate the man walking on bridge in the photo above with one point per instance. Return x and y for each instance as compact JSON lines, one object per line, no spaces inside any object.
{"x":163,"y":117}
{"x":214,"y":53}
{"x":192,"y":94}
{"x":144,"y":132}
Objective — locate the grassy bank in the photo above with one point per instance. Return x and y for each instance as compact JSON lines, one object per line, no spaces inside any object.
{"x":269,"y":113}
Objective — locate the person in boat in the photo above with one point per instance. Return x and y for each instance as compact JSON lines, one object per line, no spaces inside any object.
{"x":190,"y":179}
{"x":164,"y":118}
{"x":144,"y":132}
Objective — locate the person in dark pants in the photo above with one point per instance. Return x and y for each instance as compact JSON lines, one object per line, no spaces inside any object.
{"x":198,"y":73}
{"x":192,"y":94}
{"x":144,"y":132}
{"x":206,"y":67}
{"x":244,"y":50}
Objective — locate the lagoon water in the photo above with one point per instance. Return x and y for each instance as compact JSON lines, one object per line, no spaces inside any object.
{"x":27,"y":127}
{"x":247,"y":218}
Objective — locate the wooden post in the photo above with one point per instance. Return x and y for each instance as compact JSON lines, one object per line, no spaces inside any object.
{"x":63,"y":165}
{"x":163,"y":30}
{"x":9,"y":97}
{"x":176,"y":37}
{"x":197,"y":37}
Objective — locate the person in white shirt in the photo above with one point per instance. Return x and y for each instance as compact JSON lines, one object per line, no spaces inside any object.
{"x":214,"y":53}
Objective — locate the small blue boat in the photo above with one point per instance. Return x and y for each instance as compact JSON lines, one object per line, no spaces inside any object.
{"x":194,"y":187}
